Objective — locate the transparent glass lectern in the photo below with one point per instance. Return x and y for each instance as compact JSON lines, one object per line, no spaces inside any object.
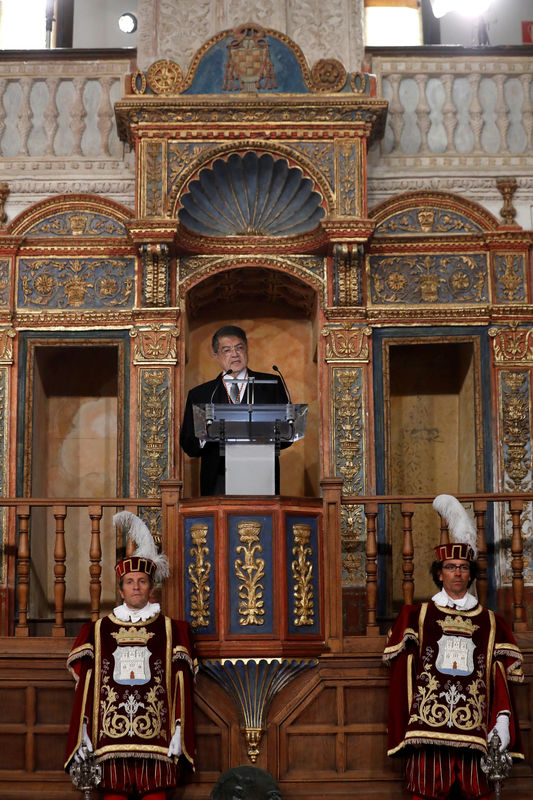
{"x":249,"y":436}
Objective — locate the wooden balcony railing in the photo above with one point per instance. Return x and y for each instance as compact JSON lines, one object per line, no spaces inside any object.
{"x":508,"y":512}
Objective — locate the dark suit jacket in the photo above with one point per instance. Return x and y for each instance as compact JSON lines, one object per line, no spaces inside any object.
{"x":213,"y":464}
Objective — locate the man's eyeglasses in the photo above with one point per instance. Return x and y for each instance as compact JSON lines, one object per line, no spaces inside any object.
{"x":455,"y":567}
{"x":239,"y":349}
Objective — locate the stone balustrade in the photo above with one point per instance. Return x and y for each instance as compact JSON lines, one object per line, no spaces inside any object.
{"x":59,"y":110}
{"x":450,"y":111}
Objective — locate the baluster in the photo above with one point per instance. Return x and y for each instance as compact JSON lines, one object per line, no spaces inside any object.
{"x":422,"y":112}
{"x":371,"y":512}
{"x":23,"y":569}
{"x":95,"y":556}
{"x":527,"y":109}
{"x":396,"y":111}
{"x":51,"y":115}
{"x":408,"y":567}
{"x":476,"y":111}
{"x":25,"y":116}
{"x":60,"y":512}
{"x":449,"y":113}
{"x":502,"y":113}
{"x":480,"y":509}
{"x":78,"y":113}
{"x":105,"y":115}
{"x":517,"y":565}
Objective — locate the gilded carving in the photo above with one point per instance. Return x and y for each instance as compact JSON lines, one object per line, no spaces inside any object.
{"x":154,"y":430}
{"x":507,"y":187}
{"x":155,"y":259}
{"x":4,"y":282}
{"x":348,"y":415}
{"x":515,"y":399}
{"x":66,"y":283}
{"x":164,"y":77}
{"x":310,"y":269}
{"x":181,"y":156}
{"x":6,"y":345}
{"x":353,"y":545}
{"x":347,"y":262}
{"x":155,"y":344}
{"x":153,"y":165}
{"x":438,"y":278}
{"x":4,"y":191}
{"x":77,"y":223}
{"x":322,"y":155}
{"x":510,"y":280}
{"x":512,"y":345}
{"x":328,"y":75}
{"x":302,"y":572}
{"x":250,"y":570}
{"x":426,"y":220}
{"x":347,"y":178}
{"x":199,"y":571}
{"x":347,"y":343}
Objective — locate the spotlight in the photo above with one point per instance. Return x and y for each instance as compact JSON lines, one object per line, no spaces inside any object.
{"x":473,"y":8}
{"x":127,"y":23}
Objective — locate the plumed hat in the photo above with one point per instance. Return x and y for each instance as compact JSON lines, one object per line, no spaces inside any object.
{"x":463,"y":544}
{"x":145,"y":558}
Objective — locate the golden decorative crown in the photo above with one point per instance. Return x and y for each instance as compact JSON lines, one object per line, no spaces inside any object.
{"x":457,"y":626}
{"x":132,"y":636}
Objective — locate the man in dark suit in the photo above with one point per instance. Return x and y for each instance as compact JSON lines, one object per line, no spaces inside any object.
{"x":230,"y":349}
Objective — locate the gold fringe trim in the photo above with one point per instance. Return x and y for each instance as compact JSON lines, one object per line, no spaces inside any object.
{"x":391,"y":652}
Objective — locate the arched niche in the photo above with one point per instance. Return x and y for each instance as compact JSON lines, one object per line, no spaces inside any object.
{"x":280,"y":313}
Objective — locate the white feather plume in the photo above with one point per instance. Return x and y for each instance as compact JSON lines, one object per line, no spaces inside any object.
{"x":140,"y":535}
{"x":459,"y":524}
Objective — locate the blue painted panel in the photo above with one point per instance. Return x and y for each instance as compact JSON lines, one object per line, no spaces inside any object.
{"x":250,"y":575}
{"x":211,"y":71}
{"x":72,"y":283}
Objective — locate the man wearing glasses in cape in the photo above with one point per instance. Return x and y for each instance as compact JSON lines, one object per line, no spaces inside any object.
{"x":451,"y":664}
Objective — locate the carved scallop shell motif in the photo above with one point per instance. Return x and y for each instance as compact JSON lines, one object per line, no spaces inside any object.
{"x":251,"y":195}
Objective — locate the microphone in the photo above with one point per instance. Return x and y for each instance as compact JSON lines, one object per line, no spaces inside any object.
{"x":228,"y":372}
{"x":277,"y":369}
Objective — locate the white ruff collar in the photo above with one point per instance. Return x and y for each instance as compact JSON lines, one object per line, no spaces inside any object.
{"x":126,"y":614}
{"x":465,"y":603}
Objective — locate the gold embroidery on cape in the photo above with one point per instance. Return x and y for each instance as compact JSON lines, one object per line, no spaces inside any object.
{"x":456,"y":710}
{"x":131,"y":723}
{"x":457,"y":626}
{"x":132,"y":636}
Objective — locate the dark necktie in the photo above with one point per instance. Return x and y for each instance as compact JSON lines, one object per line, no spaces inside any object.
{"x":234,"y":392}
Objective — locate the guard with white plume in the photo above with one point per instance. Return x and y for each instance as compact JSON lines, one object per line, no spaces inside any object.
{"x":452,"y":662}
{"x":138,"y":659}
{"x":460,"y":527}
{"x":146,"y":558}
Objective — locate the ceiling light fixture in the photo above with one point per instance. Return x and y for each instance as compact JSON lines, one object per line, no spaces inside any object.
{"x":127,"y":22}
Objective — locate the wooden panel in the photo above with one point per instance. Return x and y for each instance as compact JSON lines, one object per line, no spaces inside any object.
{"x":326,"y":730}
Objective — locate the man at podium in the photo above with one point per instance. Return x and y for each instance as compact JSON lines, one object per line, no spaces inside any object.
{"x":230,"y":349}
